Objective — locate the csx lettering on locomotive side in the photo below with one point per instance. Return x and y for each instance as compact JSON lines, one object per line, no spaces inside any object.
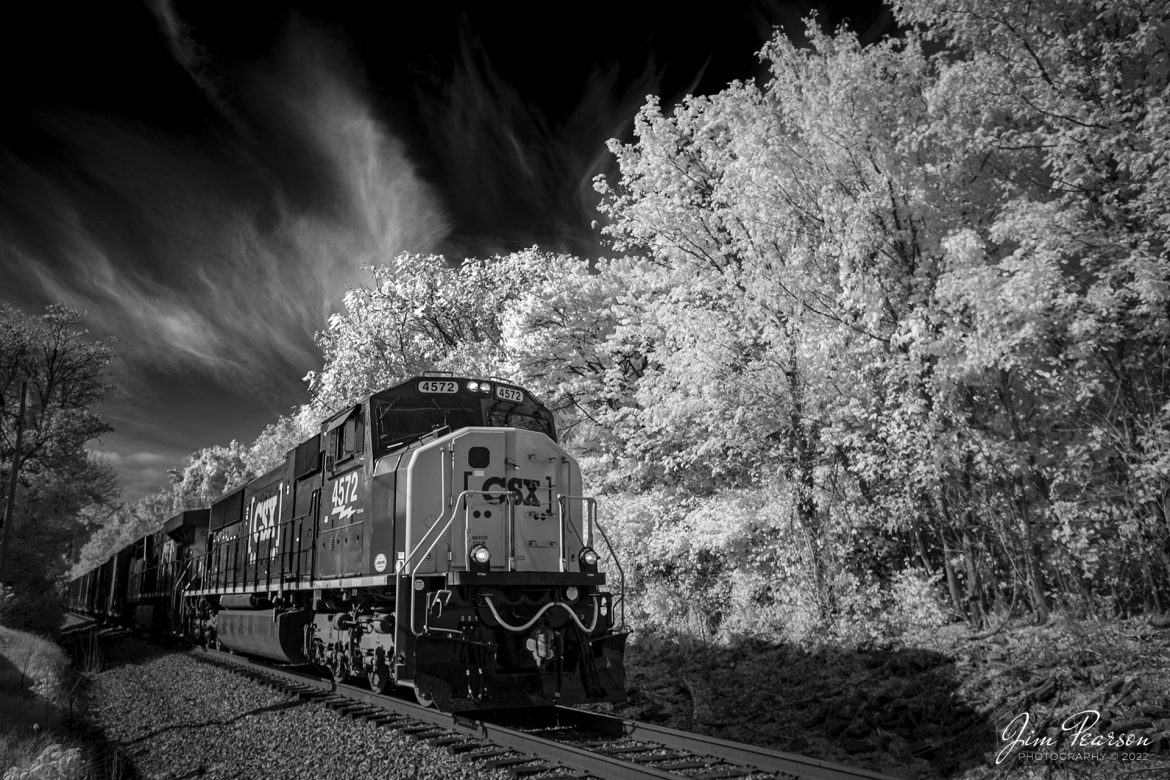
{"x":264,"y":517}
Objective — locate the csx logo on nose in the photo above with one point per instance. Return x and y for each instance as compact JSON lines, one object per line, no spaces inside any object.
{"x":516,"y":486}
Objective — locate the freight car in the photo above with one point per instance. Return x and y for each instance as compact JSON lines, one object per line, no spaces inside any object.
{"x":434,"y":537}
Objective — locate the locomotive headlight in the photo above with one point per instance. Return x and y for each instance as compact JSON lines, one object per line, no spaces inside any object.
{"x":481,"y":558}
{"x":571,"y":593}
{"x":485,"y":387}
{"x":588,"y":559}
{"x":473,"y":386}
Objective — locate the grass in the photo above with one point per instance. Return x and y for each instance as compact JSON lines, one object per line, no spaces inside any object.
{"x":36,"y":687}
{"x":932,"y":703}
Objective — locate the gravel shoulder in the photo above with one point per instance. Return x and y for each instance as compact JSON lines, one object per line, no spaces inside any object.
{"x":935,"y":705}
{"x":177,"y":717}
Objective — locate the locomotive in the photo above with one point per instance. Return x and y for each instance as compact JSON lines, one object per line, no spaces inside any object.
{"x":433,"y":537}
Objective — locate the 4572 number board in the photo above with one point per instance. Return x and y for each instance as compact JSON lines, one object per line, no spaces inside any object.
{"x":439,"y":386}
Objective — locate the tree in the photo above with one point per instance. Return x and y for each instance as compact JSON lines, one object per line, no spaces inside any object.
{"x":422,"y":314}
{"x":61,"y":488}
{"x":935,"y":283}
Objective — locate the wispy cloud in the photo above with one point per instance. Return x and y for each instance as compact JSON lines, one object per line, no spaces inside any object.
{"x":138,"y":460}
{"x":139,"y":473}
{"x":520,"y":174}
{"x":223,"y":259}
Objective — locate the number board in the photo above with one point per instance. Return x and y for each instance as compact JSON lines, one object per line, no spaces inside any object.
{"x":508,"y":394}
{"x":444,"y":386}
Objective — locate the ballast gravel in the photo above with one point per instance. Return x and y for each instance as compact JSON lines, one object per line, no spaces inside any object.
{"x":178,"y":717}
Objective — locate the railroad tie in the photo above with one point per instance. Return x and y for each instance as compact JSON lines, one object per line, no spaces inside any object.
{"x":722,"y":772}
{"x":486,"y":754}
{"x":623,"y":750}
{"x":306,"y":694}
{"x":363,"y":713}
{"x":692,"y":764}
{"x":424,"y":732}
{"x":401,"y":725}
{"x":647,"y":759}
{"x":504,"y":763}
{"x":392,"y":722}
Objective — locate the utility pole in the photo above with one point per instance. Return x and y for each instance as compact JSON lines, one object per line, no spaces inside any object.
{"x":10,"y":507}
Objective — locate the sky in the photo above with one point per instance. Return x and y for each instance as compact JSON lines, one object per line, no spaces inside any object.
{"x":205,"y":180}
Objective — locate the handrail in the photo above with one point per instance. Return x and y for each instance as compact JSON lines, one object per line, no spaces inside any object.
{"x":591,"y":504}
{"x":176,"y":599}
{"x":621,"y":572}
{"x":591,"y":518}
{"x":402,"y":567}
{"x":179,"y":580}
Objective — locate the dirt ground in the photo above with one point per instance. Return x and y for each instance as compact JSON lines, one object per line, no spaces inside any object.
{"x":1027,"y":702}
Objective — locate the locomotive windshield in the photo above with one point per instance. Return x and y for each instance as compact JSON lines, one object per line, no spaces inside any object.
{"x":419,"y":406}
{"x":401,"y":420}
{"x":508,"y":418}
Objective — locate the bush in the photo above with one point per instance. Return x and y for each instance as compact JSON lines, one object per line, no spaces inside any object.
{"x":34,"y":607}
{"x":914,"y":601}
{"x":734,"y":563}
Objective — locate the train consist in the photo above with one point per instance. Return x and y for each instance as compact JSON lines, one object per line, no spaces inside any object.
{"x":433,"y":537}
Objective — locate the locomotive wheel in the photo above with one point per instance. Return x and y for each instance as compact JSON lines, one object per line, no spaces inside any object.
{"x":423,"y":698}
{"x":379,"y":679}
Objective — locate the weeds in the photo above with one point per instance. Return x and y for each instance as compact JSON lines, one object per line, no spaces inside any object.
{"x":34,"y":686}
{"x":90,"y":656}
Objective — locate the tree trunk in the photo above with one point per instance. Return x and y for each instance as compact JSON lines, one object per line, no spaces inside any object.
{"x":1032,"y":572}
{"x":920,"y":544}
{"x":952,"y":578}
{"x":802,"y":451}
{"x":974,"y":581}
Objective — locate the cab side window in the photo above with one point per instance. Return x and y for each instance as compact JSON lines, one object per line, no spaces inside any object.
{"x":345,"y":440}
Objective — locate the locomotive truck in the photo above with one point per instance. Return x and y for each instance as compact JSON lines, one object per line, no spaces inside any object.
{"x":434,"y":537}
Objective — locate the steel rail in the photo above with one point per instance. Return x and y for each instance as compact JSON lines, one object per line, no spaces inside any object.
{"x":764,"y":759}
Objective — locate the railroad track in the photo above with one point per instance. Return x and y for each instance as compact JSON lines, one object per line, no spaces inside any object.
{"x":554,"y":741}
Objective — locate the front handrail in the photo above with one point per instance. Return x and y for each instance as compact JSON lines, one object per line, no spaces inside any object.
{"x":402,"y":567}
{"x":591,"y":517}
{"x":178,"y":605}
{"x":179,"y":580}
{"x":621,"y":572}
{"x":591,"y":521}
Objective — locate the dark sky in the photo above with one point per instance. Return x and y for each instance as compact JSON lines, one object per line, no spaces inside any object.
{"x":205,"y":179}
